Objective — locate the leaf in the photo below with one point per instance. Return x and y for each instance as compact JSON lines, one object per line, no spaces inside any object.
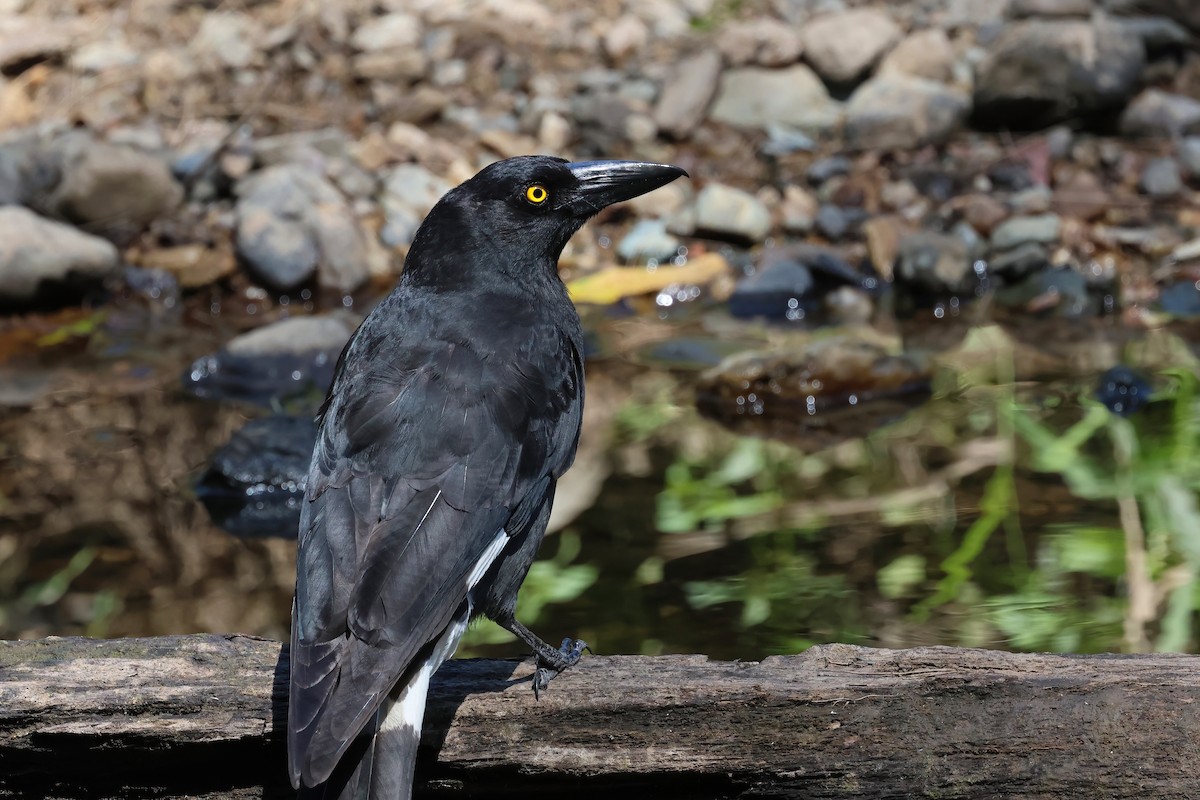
{"x":900,"y":577}
{"x":616,"y":283}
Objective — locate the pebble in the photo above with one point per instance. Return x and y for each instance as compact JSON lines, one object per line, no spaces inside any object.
{"x":1188,"y":152}
{"x":1019,"y":261}
{"x":922,"y":54}
{"x":727,"y":213}
{"x":751,"y":97}
{"x":780,"y":290}
{"x":648,"y":240}
{"x":105,"y":186}
{"x":38,"y":254}
{"x":408,"y":192}
{"x":983,"y":213}
{"x":761,"y":41}
{"x":291,"y":224}
{"x":624,"y":37}
{"x":798,"y":210}
{"x":227,"y":40}
{"x":836,"y":223}
{"x":784,"y":141}
{"x":1061,"y":289}
{"x":1040,"y":228}
{"x":1155,"y":113}
{"x":394,"y":31}
{"x":1161,"y":178}
{"x":687,"y":93}
{"x":1180,"y":299}
{"x":823,"y":169}
{"x":843,"y":46}
{"x":1046,"y":71}
{"x":902,"y":112}
{"x":933,"y":262}
{"x":1123,"y":391}
{"x":103,"y":55}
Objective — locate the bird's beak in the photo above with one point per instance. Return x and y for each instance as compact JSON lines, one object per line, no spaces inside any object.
{"x":602,"y":183}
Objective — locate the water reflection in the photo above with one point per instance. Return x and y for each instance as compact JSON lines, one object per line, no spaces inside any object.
{"x":1001,"y":506}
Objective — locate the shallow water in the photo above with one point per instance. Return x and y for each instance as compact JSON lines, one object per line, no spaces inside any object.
{"x":938,"y":517}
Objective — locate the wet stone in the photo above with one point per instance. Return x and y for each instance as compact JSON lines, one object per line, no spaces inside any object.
{"x":1060,"y":290}
{"x":821,"y":391}
{"x":1019,"y":261}
{"x":933,"y":262}
{"x":1123,"y":390}
{"x":48,"y":262}
{"x":290,"y":360}
{"x":1189,"y":156}
{"x":254,"y":484}
{"x":1180,"y":299}
{"x":648,"y":240}
{"x":782,"y":290}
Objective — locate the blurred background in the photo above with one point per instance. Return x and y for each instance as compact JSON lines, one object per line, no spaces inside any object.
{"x":910,"y":360}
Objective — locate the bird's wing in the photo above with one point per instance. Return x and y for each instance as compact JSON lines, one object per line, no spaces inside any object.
{"x":425,"y":455}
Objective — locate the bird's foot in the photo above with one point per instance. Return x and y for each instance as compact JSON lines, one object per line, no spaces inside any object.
{"x":552,"y":662}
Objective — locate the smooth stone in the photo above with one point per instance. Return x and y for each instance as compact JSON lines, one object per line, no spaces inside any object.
{"x":1158,"y":114}
{"x":687,"y":93}
{"x":903,"y":112}
{"x":843,"y":46}
{"x":726,"y":212}
{"x":1161,"y":179}
{"x":781,"y":290}
{"x":1041,"y":228}
{"x":648,"y":240}
{"x":752,"y":97}
{"x":39,"y":256}
{"x":933,"y":262}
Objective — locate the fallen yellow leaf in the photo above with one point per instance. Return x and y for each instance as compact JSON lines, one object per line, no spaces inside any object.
{"x":614,"y":283}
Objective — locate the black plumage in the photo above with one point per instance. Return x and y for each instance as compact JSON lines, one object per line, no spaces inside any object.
{"x":455,"y":407}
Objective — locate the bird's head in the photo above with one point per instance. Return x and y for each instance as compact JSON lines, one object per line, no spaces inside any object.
{"x":529,"y":206}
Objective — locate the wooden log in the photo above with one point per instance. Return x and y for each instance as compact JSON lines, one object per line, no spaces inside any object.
{"x":202,"y":716}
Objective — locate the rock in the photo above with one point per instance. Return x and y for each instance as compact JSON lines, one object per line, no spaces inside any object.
{"x":227,"y":40}
{"x":983,"y":213}
{"x":1082,"y":196}
{"x":824,"y":390}
{"x":823,"y":169}
{"x":624,"y":37}
{"x":798,"y":210}
{"x":923,"y":54}
{"x":843,"y":46}
{"x":292,"y":223}
{"x":42,"y":257}
{"x":727,"y":213}
{"x":103,"y":55}
{"x":1188,"y":152}
{"x":784,"y":141}
{"x":1019,"y":9}
{"x":755,"y":98}
{"x":648,"y":241}
{"x":292,"y":358}
{"x":1155,"y":113}
{"x":107,"y":187}
{"x":395,"y":31}
{"x":1041,"y":72}
{"x":409,"y":191}
{"x":1160,"y":36}
{"x":933,"y":262}
{"x":761,"y":41}
{"x":687,"y":93}
{"x":255,"y":482}
{"x":902,"y":112}
{"x":1161,"y":178}
{"x":1040,"y":228}
{"x":1061,"y":290}
{"x":1123,"y":391}
{"x":1018,"y":262}
{"x":836,"y":223}
{"x":1185,"y":12}
{"x":782,"y":290}
{"x":26,"y":39}
{"x":1034,"y":200}
{"x":1180,"y":300}
{"x":1011,"y":175}
{"x":192,"y":265}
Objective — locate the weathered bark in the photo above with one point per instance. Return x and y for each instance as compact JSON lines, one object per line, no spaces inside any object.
{"x":202,"y":716}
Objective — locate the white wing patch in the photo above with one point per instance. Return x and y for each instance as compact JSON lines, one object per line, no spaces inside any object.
{"x":487,"y":559}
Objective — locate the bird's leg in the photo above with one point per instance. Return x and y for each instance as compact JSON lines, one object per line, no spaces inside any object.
{"x":550,"y":662}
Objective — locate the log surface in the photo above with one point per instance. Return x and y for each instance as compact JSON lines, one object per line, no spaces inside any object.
{"x":202,"y":716}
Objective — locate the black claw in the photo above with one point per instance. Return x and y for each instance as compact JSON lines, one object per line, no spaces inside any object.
{"x":550,"y":664}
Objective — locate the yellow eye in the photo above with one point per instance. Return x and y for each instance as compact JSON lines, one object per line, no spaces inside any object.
{"x":537,"y":194}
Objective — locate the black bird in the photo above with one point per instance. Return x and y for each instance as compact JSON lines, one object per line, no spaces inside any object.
{"x":455,"y":407}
